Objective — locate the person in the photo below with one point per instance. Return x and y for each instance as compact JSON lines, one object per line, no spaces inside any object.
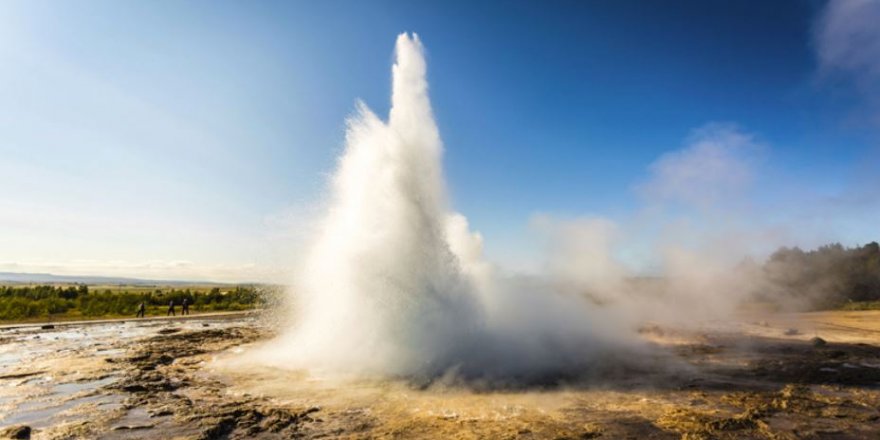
{"x":141,"y":309}
{"x":185,"y":310}
{"x":171,"y":309}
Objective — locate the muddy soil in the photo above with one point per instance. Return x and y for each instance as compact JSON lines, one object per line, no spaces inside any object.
{"x":181,"y":380}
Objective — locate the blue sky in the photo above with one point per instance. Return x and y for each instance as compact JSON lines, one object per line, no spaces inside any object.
{"x":185,"y":139}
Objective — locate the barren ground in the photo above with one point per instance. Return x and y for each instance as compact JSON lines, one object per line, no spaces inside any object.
{"x":758,"y":377}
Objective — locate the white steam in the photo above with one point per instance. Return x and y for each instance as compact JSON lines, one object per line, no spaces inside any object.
{"x":396,"y":284}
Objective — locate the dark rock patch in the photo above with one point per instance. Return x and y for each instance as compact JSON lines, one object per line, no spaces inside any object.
{"x":21,"y":432}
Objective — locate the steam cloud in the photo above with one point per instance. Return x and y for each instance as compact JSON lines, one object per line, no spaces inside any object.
{"x":396,"y":283}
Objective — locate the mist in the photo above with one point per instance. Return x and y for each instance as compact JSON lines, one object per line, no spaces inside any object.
{"x":394,"y":281}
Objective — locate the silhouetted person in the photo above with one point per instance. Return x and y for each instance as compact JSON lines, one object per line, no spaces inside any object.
{"x":171,"y":309}
{"x":141,"y":309}
{"x":185,"y":310}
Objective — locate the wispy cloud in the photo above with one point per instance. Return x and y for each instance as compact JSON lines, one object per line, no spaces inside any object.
{"x":847,"y":41}
{"x":717,"y":163}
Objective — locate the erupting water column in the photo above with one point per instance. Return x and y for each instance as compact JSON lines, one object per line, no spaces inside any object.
{"x":382,"y":291}
{"x":395,"y":283}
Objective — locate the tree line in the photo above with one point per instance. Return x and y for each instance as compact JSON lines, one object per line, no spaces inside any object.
{"x":832,"y":276}
{"x":31,"y":302}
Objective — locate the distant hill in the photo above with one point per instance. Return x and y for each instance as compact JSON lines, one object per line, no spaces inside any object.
{"x":31,"y":278}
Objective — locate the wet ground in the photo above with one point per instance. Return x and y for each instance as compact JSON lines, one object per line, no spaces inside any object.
{"x":758,"y":377}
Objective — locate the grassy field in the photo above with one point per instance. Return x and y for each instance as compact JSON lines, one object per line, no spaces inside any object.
{"x":41,"y":302}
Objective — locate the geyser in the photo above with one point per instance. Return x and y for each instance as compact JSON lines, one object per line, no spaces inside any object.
{"x":395,"y":282}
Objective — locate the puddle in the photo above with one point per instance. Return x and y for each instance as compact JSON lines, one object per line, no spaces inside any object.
{"x":8,"y":360}
{"x":39,"y":411}
{"x":39,"y":400}
{"x":78,"y":387}
{"x":42,"y":414}
{"x":135,"y":418}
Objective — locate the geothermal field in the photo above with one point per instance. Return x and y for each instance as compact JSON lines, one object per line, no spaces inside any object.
{"x":395,"y":325}
{"x":744,"y":378}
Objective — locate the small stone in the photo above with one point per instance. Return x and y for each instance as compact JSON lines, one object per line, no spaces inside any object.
{"x":47,"y":327}
{"x":792,"y":332}
{"x":818,"y":342}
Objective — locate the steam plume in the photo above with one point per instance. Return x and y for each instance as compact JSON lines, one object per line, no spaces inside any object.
{"x":396,"y":284}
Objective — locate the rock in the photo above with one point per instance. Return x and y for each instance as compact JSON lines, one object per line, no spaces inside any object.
{"x":47,"y":327}
{"x":17,"y":432}
{"x":21,"y":375}
{"x":135,"y":388}
{"x":217,"y":428}
{"x":161,"y":412}
{"x":792,"y":332}
{"x":138,"y":358}
{"x":166,"y":331}
{"x":818,"y":342}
